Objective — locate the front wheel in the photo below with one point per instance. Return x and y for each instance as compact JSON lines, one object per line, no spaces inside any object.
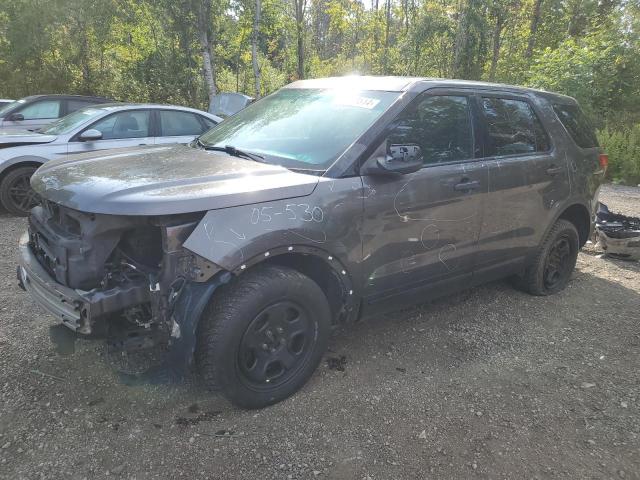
{"x":263,"y":336}
{"x":554,"y":262}
{"x":16,"y":194}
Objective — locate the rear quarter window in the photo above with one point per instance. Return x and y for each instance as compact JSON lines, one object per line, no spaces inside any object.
{"x":577,"y":124}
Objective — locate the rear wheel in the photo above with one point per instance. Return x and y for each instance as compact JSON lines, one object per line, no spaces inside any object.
{"x":554,"y":262}
{"x":263,"y":336}
{"x":16,"y":194}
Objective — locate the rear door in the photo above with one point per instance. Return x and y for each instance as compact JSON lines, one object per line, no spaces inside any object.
{"x":422,"y":228}
{"x":176,"y":126}
{"x":528,"y":178}
{"x":129,"y":128}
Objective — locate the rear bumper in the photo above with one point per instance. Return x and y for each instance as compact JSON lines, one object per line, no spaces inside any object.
{"x":79,"y":310}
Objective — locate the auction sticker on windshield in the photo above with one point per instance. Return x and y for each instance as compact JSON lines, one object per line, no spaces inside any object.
{"x":356,"y":101}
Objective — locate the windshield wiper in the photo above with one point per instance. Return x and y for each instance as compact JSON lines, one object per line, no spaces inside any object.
{"x":233,"y":151}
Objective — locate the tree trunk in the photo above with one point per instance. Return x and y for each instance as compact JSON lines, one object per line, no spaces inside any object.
{"x":533,"y":29}
{"x":461,"y":40}
{"x":300,"y":8}
{"x":254,"y":48}
{"x":386,"y":36}
{"x":497,"y":40}
{"x":204,"y":36}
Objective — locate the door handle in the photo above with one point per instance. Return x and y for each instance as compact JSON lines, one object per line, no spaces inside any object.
{"x":554,"y":170}
{"x":142,"y":144}
{"x":465,"y":186}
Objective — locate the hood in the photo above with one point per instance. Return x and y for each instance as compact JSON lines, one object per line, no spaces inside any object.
{"x":164,"y":180}
{"x":10,"y":137}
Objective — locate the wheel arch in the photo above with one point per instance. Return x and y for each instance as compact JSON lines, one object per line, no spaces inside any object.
{"x":20,"y":162}
{"x":324,"y":269}
{"x":578,"y":215}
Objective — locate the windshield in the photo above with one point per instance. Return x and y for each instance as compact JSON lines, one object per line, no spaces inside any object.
{"x":9,"y":106}
{"x":70,"y":122}
{"x":301,"y":128}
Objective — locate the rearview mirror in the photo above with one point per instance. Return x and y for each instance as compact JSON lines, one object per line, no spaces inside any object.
{"x":16,"y":117}
{"x":90,"y":135}
{"x":394,"y":158}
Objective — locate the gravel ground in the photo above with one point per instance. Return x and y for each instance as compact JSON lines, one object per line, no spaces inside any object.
{"x":489,"y":383}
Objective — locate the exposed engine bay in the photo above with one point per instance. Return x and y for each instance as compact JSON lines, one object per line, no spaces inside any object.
{"x":119,"y":277}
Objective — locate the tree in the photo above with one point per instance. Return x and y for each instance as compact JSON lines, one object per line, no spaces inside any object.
{"x":300,"y":8}
{"x":205,"y":35}
{"x":254,"y":47}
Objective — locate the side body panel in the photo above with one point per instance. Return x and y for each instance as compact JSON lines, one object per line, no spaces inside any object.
{"x":329,"y":220}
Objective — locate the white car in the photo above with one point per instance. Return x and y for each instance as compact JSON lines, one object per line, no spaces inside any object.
{"x":89,"y":129}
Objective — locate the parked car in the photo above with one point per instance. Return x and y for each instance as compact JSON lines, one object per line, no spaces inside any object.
{"x":31,"y":113}
{"x":318,"y":205}
{"x":5,"y":101}
{"x":98,"y":127}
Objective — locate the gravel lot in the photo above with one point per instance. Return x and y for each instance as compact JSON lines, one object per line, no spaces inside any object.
{"x":490,"y":383}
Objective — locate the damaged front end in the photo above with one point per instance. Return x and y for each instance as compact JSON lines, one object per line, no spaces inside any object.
{"x":127,"y":279}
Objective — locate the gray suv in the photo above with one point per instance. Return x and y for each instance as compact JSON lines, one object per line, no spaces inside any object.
{"x":314,"y":207}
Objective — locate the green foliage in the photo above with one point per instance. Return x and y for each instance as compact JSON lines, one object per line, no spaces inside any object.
{"x":623,"y":148}
{"x":149,"y":50}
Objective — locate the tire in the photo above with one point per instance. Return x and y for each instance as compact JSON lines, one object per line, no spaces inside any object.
{"x":16,"y":194}
{"x":554,"y":261}
{"x":262,"y":336}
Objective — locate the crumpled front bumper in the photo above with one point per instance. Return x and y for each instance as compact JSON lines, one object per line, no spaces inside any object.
{"x":77,"y":309}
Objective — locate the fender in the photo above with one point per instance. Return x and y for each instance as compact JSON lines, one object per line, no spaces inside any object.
{"x":571,"y":202}
{"x":324,"y":226}
{"x":7,"y":164}
{"x":321,"y":224}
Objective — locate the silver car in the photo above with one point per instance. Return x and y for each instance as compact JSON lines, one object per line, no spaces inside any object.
{"x":5,"y":101}
{"x":89,"y":129}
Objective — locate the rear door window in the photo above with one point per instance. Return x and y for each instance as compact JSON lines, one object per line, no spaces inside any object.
{"x":577,"y":124}
{"x":130,"y":124}
{"x":175,"y":124}
{"x":74,"y":104}
{"x":440,"y":125}
{"x":42,"y":110}
{"x":512,"y":128}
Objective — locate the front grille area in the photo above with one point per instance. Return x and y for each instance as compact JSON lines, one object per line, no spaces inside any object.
{"x":74,"y":246}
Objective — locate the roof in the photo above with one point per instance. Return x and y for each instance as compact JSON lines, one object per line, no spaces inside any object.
{"x":156,"y":106}
{"x":64,"y":95}
{"x":402,"y":84}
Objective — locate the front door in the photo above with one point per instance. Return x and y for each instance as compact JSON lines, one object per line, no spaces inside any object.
{"x":422,"y":228}
{"x":130,"y":128}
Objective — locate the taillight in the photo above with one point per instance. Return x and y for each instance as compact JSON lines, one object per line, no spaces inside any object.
{"x":604,"y":160}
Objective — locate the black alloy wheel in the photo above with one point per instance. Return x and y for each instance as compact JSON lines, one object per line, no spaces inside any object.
{"x":275,"y":345}
{"x":558,"y":265}
{"x":16,"y":194}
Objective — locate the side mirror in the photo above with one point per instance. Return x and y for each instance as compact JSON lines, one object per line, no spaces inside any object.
{"x":90,"y":135}
{"x":394,"y":158}
{"x":15,"y":117}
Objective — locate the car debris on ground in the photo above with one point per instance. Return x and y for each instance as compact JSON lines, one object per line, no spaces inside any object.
{"x":618,"y":235}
